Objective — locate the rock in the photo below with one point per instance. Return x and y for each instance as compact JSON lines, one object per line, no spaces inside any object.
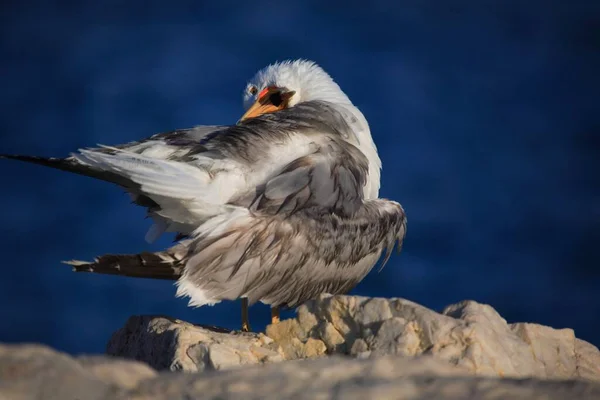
{"x":124,"y":373}
{"x":334,"y":377}
{"x":169,"y":344}
{"x":293,"y":342}
{"x":404,"y":350}
{"x":30,"y":371}
{"x":587,"y":360}
{"x":34,"y":372}
{"x":467,"y":334}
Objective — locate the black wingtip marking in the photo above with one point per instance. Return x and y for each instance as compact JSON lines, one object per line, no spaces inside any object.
{"x":72,"y":165}
{"x":58,"y":163}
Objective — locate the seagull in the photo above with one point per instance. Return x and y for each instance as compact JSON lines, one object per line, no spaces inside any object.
{"x":278,"y":208}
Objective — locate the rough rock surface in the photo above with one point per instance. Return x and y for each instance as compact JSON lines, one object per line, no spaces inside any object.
{"x":31,"y":372}
{"x":468,"y":334}
{"x":393,"y":348}
{"x":170,"y":344}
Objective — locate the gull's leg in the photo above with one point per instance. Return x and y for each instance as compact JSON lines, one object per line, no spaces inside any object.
{"x":275,"y":315}
{"x":245,"y":320}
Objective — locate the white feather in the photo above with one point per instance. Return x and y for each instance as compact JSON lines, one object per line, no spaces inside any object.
{"x":197,"y":295}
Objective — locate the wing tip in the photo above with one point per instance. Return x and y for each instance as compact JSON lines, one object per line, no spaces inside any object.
{"x":79,"y":266}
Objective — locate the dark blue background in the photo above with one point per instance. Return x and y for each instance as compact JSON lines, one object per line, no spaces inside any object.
{"x":485,"y":113}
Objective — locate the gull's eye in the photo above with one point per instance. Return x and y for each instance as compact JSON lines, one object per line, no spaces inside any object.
{"x":276,"y":99}
{"x":253,"y":90}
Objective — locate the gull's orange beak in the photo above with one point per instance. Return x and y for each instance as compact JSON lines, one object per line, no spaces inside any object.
{"x":269,"y":100}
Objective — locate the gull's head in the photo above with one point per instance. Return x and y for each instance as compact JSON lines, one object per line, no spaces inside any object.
{"x":285,"y":84}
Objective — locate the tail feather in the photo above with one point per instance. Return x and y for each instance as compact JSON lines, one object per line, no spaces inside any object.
{"x":161,"y":265}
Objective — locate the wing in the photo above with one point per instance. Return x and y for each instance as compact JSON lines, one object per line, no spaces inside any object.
{"x":166,"y":144}
{"x":245,"y":165}
{"x":186,"y":177}
{"x":328,"y":180}
{"x":162,"y":146}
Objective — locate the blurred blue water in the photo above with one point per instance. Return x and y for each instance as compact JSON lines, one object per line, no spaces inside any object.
{"x":485,"y":113}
